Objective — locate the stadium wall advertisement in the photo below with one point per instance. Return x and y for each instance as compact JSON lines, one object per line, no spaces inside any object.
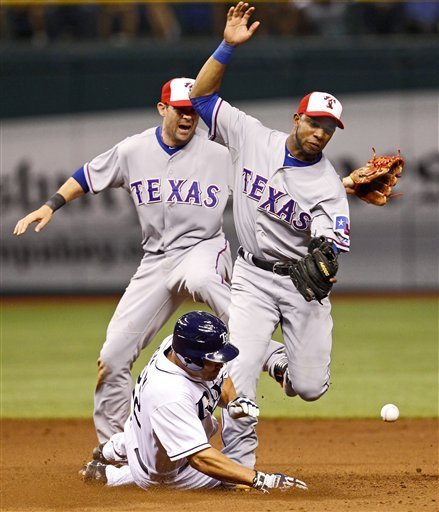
{"x":93,"y":244}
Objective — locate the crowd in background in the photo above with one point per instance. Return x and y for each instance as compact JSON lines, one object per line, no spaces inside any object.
{"x":123,"y":23}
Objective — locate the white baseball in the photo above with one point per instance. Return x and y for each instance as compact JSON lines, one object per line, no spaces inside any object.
{"x":389,"y":412}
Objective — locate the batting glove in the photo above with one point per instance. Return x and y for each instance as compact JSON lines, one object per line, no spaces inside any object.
{"x":241,"y":407}
{"x":266,"y":481}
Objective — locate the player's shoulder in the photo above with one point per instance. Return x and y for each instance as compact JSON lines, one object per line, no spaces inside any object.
{"x":201,"y":137}
{"x":331,"y":176}
{"x":203,"y":143}
{"x":139,"y":138}
{"x":263,"y":135}
{"x":168,"y":389}
{"x":167,"y":380}
{"x":328,"y":167}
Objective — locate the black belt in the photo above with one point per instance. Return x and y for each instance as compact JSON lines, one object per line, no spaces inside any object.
{"x":281,"y":268}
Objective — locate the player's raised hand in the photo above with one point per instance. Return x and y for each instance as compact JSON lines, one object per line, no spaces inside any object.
{"x":236,"y":31}
{"x":43,"y":216}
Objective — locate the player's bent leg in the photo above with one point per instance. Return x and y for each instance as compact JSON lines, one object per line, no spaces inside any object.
{"x":190,"y":478}
{"x":116,"y":477}
{"x":111,"y":476}
{"x":239,"y":435}
{"x":144,"y":308}
{"x":307,"y":330}
{"x":309,"y":383}
{"x":111,"y":403}
{"x":240,"y":439}
{"x":205,"y":271}
{"x":253,"y":318}
{"x":113,"y":451}
{"x":276,"y":362}
{"x":98,"y":473}
{"x":185,"y":477}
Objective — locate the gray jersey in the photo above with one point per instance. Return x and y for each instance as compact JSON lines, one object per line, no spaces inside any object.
{"x":179,"y":198}
{"x":278,"y":209}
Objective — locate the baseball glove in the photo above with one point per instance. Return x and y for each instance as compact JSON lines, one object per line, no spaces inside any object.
{"x":313,"y":273}
{"x":374,"y":182}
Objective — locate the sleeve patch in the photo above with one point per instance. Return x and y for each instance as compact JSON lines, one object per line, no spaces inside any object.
{"x":341,"y":226}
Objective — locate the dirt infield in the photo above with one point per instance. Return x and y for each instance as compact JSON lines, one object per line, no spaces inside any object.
{"x":354,"y":465}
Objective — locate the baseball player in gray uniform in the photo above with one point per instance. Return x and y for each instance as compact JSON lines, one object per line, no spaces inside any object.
{"x":179,"y":183}
{"x":166,"y":440}
{"x":286,"y":194}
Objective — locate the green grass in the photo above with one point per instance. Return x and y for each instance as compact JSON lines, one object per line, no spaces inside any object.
{"x":384,"y":351}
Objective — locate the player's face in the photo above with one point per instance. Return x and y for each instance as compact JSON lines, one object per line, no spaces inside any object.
{"x":179,"y":124}
{"x":310,"y":135}
{"x":210,"y":370}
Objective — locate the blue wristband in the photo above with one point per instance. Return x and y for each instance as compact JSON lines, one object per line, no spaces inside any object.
{"x":223,"y":53}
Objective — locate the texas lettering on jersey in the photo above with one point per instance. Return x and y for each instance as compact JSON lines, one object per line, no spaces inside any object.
{"x":274,"y":202}
{"x":179,"y":191}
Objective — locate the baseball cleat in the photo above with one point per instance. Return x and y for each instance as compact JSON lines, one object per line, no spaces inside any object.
{"x":280,"y":375}
{"x":279,"y":370}
{"x":94,"y":471}
{"x":98,"y":454}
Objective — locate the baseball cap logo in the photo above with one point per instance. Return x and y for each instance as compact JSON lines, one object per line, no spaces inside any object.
{"x":330,"y":102}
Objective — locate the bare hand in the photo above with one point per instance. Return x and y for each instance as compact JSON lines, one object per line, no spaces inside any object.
{"x":43,"y":216}
{"x":236,"y":31}
{"x":349,"y":185}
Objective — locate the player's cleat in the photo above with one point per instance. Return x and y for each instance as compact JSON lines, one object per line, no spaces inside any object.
{"x":279,"y":370}
{"x":94,"y":471}
{"x":280,"y":374}
{"x":98,"y":454}
{"x":118,"y":460}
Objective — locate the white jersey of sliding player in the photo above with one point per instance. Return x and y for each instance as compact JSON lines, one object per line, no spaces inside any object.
{"x":171,"y":418}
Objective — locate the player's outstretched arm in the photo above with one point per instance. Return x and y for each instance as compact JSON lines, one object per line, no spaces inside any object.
{"x":212,"y":462}
{"x":69,"y":191}
{"x":236,"y":32}
{"x":215,"y":464}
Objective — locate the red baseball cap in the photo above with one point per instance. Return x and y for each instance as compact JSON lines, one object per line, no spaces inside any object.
{"x":176,"y":92}
{"x":321,"y":104}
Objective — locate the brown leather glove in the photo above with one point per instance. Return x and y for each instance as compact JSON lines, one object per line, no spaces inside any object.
{"x":374,"y":182}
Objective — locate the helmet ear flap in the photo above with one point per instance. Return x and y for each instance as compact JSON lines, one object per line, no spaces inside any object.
{"x":191,"y":364}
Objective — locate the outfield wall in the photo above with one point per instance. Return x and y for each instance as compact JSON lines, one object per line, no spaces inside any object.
{"x":93,"y":245}
{"x":69,"y":78}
